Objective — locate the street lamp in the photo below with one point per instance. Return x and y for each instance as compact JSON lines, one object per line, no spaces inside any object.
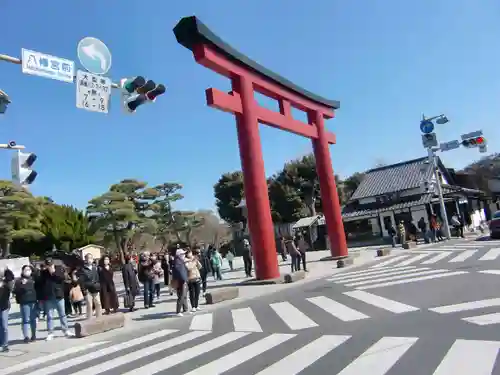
{"x":441,"y":119}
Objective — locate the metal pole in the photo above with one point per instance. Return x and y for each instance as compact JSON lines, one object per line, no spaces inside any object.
{"x":15,"y":60}
{"x":440,"y":192}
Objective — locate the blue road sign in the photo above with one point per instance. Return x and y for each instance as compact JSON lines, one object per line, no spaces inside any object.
{"x":426,"y":126}
{"x":94,"y":55}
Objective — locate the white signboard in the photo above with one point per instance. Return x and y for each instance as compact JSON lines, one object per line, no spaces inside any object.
{"x":447,"y":146}
{"x":93,"y":92}
{"x":43,"y":65}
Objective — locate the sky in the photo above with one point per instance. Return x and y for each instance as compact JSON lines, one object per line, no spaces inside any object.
{"x":387,"y":62}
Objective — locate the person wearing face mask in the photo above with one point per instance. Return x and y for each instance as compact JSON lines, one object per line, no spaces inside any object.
{"x":25,"y":294}
{"x":157,"y":275}
{"x":129,"y":274}
{"x":89,"y":279}
{"x":109,"y":299}
{"x":52,"y":280}
{"x":6,"y":285}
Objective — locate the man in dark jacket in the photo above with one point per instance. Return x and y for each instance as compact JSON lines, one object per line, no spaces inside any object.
{"x":180,"y":277}
{"x":205,"y":267}
{"x":52,"y":285}
{"x":89,"y":281}
{"x":145,"y":276}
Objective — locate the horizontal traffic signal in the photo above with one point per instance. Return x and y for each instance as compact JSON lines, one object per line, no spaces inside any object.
{"x":137,"y":91}
{"x":473,"y":142}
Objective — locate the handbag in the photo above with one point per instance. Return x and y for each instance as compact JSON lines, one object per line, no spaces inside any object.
{"x":127,"y":300}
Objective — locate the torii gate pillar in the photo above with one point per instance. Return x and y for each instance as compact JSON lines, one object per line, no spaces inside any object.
{"x":246,"y":77}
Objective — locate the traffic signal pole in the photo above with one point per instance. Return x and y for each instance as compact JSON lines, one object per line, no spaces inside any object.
{"x":432,"y":163}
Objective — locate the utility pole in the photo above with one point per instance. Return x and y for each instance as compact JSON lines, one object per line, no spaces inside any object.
{"x":432,"y":163}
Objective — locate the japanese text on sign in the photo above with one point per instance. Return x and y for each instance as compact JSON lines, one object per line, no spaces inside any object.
{"x":92,"y":92}
{"x":43,"y":65}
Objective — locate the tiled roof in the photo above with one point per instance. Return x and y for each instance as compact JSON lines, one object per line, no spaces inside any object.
{"x":392,"y":178}
{"x":423,"y":199}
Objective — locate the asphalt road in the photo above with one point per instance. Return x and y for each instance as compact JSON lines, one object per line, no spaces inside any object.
{"x":433,"y":311}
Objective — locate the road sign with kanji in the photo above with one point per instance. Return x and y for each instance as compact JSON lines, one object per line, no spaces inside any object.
{"x":93,"y":92}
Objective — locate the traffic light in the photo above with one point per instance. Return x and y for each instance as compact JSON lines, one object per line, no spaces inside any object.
{"x":4,"y":102}
{"x":474,"y":142}
{"x":22,"y":168}
{"x":137,"y":91}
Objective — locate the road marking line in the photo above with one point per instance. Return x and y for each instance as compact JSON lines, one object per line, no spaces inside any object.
{"x":50,"y":357}
{"x":240,"y":356}
{"x":413,"y":259}
{"x":305,"y":356}
{"x":436,"y":258}
{"x":380,"y":357}
{"x":170,"y":361}
{"x":474,"y":305}
{"x":381,"y":302}
{"x":366,"y":271}
{"x":397,"y":277}
{"x":378,"y":271}
{"x":60,"y":366}
{"x":291,"y":316}
{"x":380,"y":274}
{"x":492,"y":272}
{"x":466,"y":254}
{"x":203,"y":322}
{"x":244,"y":320}
{"x":396,"y":259}
{"x":492,"y":254}
{"x":484,"y":320}
{"x":476,"y":357}
{"x":422,"y":278}
{"x":101,"y":367}
{"x":337,"y":309}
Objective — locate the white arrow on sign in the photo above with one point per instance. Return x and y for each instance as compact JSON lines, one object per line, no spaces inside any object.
{"x":91,"y":51}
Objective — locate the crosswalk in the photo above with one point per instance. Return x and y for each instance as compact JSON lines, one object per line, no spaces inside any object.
{"x":299,"y":314}
{"x":468,"y":311}
{"x":386,"y":274}
{"x":209,"y":353}
{"x":442,"y":255}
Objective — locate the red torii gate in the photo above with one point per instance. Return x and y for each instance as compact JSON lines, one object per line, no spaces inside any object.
{"x":246,"y":77}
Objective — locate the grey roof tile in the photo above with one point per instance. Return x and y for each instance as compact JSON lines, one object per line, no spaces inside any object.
{"x":392,"y":178}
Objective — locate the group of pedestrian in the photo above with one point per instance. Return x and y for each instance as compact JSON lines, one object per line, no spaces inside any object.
{"x":432,"y":233}
{"x":43,"y":290}
{"x":296,"y":246}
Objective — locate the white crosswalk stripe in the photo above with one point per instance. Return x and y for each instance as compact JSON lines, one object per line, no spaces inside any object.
{"x":451,"y":254}
{"x":246,"y":320}
{"x":481,"y":319}
{"x":203,"y":353}
{"x":379,"y":277}
{"x":491,"y":254}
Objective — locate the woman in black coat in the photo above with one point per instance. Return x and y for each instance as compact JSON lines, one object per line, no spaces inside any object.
{"x":129,"y":274}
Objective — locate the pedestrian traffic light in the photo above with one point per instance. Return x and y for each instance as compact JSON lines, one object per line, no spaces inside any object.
{"x":474,"y":142}
{"x":22,"y":168}
{"x":137,"y":91}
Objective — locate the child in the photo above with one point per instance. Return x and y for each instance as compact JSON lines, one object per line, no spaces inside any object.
{"x":76,"y":294}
